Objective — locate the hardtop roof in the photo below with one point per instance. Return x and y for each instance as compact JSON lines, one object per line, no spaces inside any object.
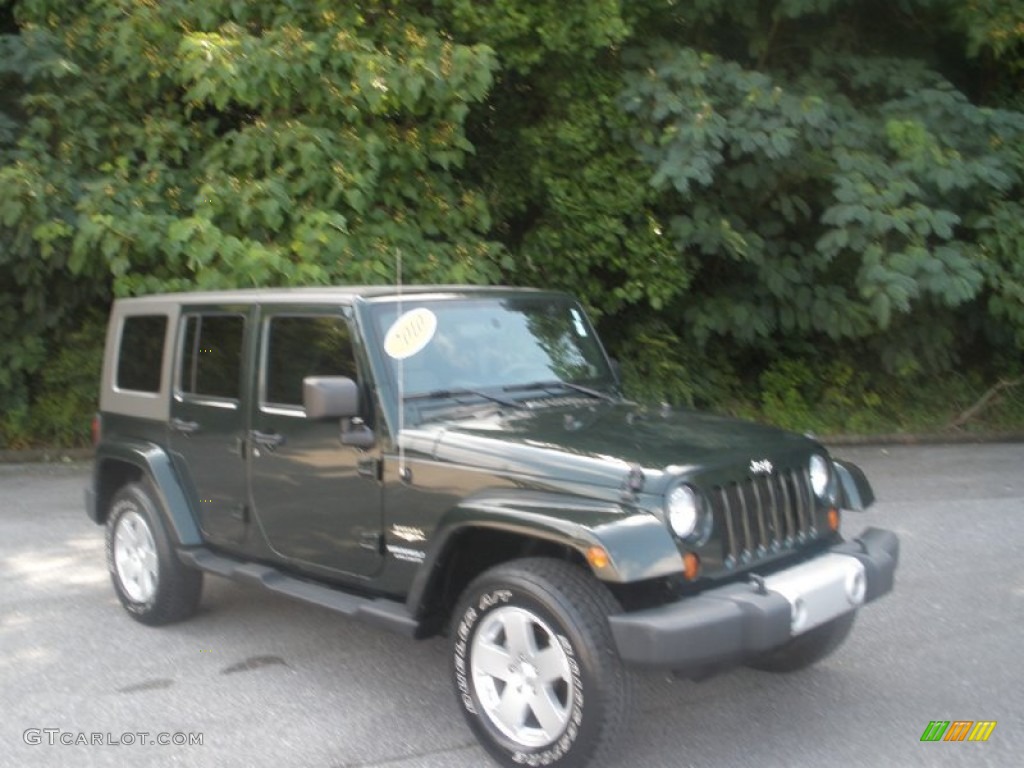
{"x":341,"y":294}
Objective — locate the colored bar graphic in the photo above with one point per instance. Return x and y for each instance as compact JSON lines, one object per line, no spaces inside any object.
{"x":982,"y":730}
{"x":958,"y":730}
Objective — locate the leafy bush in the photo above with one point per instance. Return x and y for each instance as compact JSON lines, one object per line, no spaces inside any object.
{"x":793,"y":204}
{"x":66,"y":398}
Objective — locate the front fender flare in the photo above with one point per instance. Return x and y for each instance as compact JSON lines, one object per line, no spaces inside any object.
{"x":854,"y":489}
{"x":638,"y":544}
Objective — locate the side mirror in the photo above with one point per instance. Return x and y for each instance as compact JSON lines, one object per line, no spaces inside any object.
{"x":330,"y":397}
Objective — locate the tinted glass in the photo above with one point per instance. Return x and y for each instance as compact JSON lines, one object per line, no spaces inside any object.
{"x":298,"y":347}
{"x":212,"y":355}
{"x":140,"y":359}
{"x":495,"y":343}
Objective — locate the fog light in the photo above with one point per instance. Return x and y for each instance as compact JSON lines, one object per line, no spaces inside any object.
{"x":798,"y":615}
{"x":856,"y":587}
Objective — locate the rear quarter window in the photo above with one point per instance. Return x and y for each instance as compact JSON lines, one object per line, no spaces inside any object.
{"x":140,"y":355}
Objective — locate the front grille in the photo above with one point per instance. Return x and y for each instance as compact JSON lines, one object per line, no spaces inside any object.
{"x":763,"y":515}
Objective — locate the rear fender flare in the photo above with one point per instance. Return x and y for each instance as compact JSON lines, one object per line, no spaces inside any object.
{"x":154,"y":464}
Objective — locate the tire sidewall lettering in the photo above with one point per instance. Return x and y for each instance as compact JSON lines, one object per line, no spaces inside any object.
{"x":490,"y":599}
{"x":461,"y":667}
{"x":471,"y":617}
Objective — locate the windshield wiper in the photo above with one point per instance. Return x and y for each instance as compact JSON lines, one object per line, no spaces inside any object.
{"x":439,"y":394}
{"x":564,"y":385}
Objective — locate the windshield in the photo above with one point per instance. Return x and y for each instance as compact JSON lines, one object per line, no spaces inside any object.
{"x":497,"y":344}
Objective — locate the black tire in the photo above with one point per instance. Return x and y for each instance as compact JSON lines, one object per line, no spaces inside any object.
{"x":807,"y":649}
{"x":565,"y":610}
{"x":155,"y":588}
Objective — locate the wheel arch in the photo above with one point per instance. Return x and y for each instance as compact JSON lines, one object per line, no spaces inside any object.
{"x":492,"y":529}
{"x":469,"y":551}
{"x":139,"y":461}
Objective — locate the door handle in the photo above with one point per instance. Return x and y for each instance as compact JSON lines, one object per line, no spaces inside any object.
{"x":269,"y":440}
{"x":187,"y":427}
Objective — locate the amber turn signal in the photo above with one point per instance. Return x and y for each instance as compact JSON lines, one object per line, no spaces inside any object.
{"x":833,"y":519}
{"x":597,"y":557}
{"x":691,"y":566}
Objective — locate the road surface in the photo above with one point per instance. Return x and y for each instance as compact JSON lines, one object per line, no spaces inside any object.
{"x":265,"y":681}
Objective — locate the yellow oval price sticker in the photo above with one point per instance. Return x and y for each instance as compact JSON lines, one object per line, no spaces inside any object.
{"x":410,"y":333}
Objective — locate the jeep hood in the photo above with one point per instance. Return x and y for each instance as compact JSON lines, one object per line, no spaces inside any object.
{"x":599,"y":444}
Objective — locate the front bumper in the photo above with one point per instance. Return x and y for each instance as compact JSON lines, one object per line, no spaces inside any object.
{"x":724,"y":626}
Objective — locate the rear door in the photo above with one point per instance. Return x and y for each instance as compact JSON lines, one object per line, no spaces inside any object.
{"x":207,"y":419}
{"x":318,"y":502}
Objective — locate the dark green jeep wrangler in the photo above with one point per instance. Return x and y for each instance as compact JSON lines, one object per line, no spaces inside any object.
{"x":461,"y":460}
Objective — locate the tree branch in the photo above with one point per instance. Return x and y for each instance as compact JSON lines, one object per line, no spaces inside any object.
{"x":984,"y":401}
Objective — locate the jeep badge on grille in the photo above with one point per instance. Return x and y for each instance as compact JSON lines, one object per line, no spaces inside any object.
{"x":763,"y":467}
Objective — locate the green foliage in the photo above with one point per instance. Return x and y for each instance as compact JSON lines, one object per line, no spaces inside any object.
{"x":579,"y":215}
{"x":825,"y":398}
{"x":527,"y":35}
{"x":244,"y":145}
{"x":1001,"y":256}
{"x":179,"y":145}
{"x":781,"y":203}
{"x":821,"y":209}
{"x":995,"y":27}
{"x":658,"y":366}
{"x":835,"y":398}
{"x":65,"y":396}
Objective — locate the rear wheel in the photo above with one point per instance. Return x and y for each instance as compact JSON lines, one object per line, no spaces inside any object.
{"x":153,"y":585}
{"x":807,"y":649}
{"x":535,"y":666}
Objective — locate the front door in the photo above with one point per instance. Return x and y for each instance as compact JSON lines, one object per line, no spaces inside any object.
{"x":207,"y":419}
{"x":317,"y":501}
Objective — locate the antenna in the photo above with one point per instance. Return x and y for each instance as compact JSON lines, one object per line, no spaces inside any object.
{"x":403,"y":471}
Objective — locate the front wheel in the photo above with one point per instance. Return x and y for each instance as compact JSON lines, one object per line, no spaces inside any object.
{"x":535,"y":667}
{"x":807,"y":649}
{"x":153,"y":585}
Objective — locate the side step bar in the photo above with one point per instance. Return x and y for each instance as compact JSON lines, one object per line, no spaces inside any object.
{"x":389,"y":614}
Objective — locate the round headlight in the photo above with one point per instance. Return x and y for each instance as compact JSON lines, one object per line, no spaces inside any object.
{"x":819,"y":475}
{"x":683,"y":510}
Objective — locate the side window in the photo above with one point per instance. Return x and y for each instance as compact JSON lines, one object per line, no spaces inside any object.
{"x":140,"y":358}
{"x":300,"y":346}
{"x":211,"y":355}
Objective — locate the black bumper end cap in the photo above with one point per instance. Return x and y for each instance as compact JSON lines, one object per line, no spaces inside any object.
{"x":705,"y":630}
{"x":878,"y":551}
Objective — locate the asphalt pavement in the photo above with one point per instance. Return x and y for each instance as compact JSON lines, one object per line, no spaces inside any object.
{"x":265,"y":681}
